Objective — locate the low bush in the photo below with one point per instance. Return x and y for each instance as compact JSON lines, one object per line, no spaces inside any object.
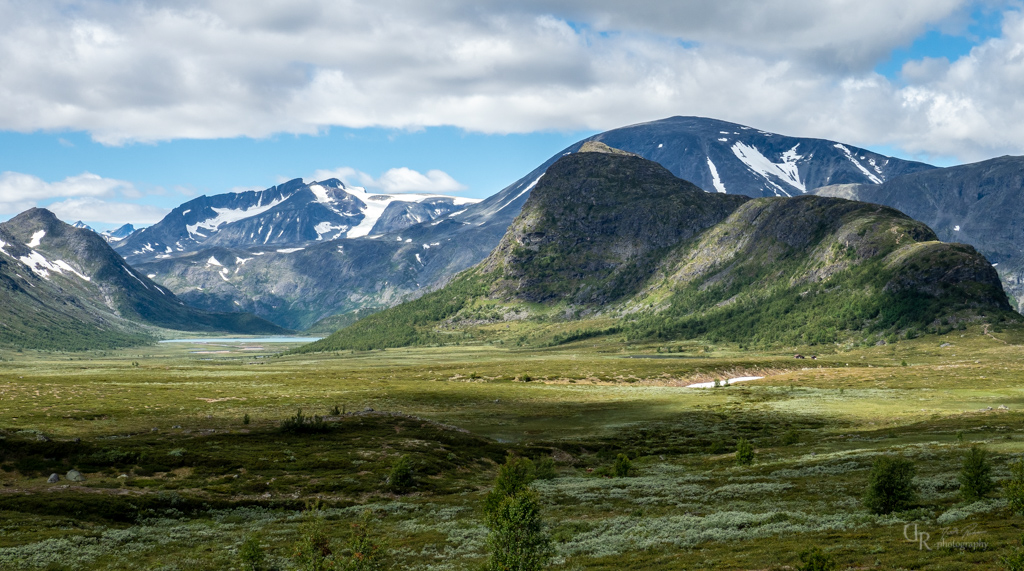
{"x":301,"y":424}
{"x":401,"y":478}
{"x":744,"y":452}
{"x":814,"y":559}
{"x":623,"y":466}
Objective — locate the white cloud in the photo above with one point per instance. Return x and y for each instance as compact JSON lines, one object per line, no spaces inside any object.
{"x":220,"y":68}
{"x":19,"y":191}
{"x":94,"y":210}
{"x":395,"y":180}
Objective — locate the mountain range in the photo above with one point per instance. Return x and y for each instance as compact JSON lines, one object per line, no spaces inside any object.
{"x":261,"y":251}
{"x":65,"y":288}
{"x":611,"y":243}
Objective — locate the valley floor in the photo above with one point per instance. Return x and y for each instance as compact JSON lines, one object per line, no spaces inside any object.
{"x":175,"y":478}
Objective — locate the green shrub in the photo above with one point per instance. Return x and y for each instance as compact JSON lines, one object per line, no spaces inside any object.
{"x":1014,"y":488}
{"x":790,"y":438}
{"x":301,"y":424}
{"x":401,"y":478}
{"x":251,"y":554}
{"x":623,"y":466}
{"x":245,"y":419}
{"x":744,"y":452}
{"x":814,"y":559}
{"x":364,"y":551}
{"x":545,"y":469}
{"x":1014,"y":561}
{"x":976,"y":475}
{"x":890,"y":485}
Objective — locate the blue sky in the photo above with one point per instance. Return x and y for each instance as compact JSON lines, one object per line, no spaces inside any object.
{"x":115,"y":115}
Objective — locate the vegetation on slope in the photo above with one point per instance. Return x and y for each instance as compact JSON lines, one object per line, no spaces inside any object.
{"x":615,"y":244}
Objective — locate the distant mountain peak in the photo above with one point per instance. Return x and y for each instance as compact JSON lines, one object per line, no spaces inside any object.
{"x":290,"y":214}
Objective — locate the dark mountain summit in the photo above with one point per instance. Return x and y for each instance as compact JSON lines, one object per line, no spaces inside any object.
{"x":620,"y":245}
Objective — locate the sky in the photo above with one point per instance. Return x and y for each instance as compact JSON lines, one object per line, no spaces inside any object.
{"x":115,"y":111}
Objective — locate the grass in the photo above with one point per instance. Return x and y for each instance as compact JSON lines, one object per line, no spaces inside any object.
{"x":197,"y":482}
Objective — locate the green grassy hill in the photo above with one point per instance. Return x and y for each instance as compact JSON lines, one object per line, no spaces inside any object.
{"x":615,"y":244}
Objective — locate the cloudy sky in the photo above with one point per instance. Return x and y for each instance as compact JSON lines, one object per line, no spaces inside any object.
{"x":114,"y":111}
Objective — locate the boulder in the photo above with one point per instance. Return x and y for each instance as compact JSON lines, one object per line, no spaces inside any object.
{"x":53,"y":479}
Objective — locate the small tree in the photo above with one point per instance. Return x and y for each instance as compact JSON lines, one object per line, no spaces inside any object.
{"x":890,"y":485}
{"x":513,"y":477}
{"x":1014,"y":488}
{"x":814,"y":559}
{"x":401,"y":478}
{"x":517,"y":540}
{"x":251,"y":554}
{"x":744,"y":452}
{"x":976,"y":475}
{"x":623,"y":467}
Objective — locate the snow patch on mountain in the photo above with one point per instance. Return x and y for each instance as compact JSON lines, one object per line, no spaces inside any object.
{"x":377,"y":203}
{"x":37,"y":237}
{"x":715,"y":180}
{"x":521,"y":192}
{"x":229,"y":215}
{"x":134,"y":276}
{"x":786,"y":171}
{"x":321,"y":194}
{"x":856,"y":163}
{"x":42,"y":267}
{"x":328,"y":228}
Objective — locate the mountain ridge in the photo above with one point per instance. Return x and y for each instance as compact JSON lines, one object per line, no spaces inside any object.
{"x":802,"y":270}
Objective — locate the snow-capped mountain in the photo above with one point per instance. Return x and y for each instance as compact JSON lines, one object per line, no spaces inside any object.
{"x":118,"y":234}
{"x":83,"y":225}
{"x":289,"y":215}
{"x":719,"y":156}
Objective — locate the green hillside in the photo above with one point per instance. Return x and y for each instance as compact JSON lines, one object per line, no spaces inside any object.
{"x":614,"y":244}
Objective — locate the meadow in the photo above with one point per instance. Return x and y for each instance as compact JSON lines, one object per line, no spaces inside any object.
{"x":184,"y":456}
